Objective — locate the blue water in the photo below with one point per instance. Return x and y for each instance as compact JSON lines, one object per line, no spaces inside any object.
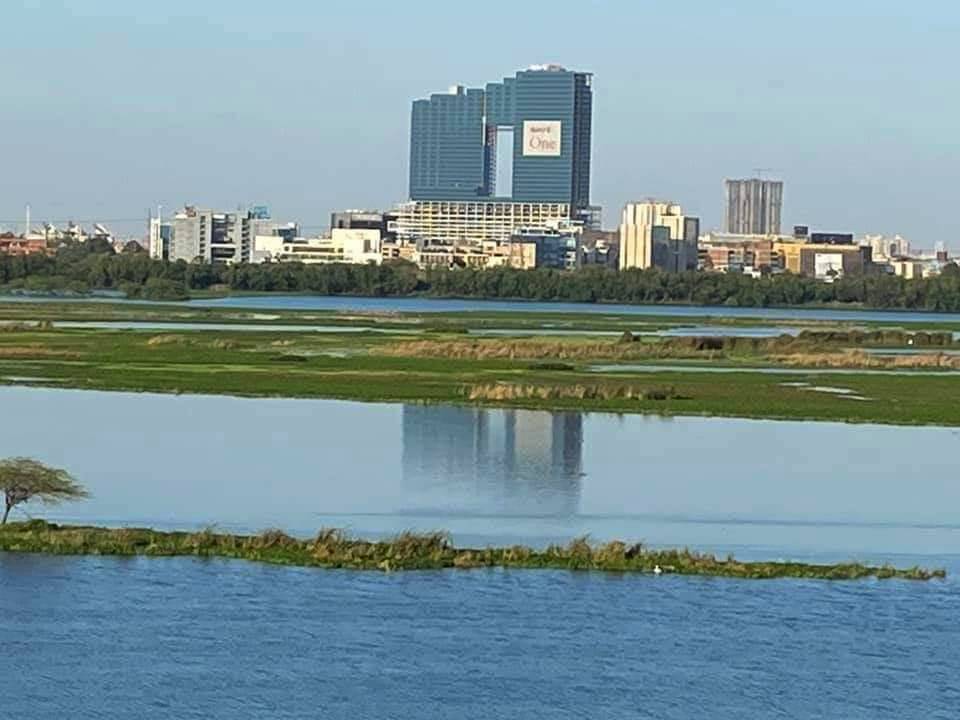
{"x":427,"y":305}
{"x":185,"y":638}
{"x":90,"y":637}
{"x":423,"y":305}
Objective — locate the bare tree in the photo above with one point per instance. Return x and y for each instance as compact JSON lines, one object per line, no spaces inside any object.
{"x":24,"y":479}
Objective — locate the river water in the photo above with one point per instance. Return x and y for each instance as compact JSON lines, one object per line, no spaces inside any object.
{"x":158,"y":638}
{"x":427,"y":305}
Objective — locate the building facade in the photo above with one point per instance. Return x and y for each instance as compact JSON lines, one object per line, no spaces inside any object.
{"x":657,"y":234}
{"x":552,"y":122}
{"x":548,"y":111}
{"x":471,"y":223}
{"x":345,"y":245}
{"x":213,"y":236}
{"x":448,"y":149}
{"x":556,"y":248}
{"x":753,"y":206}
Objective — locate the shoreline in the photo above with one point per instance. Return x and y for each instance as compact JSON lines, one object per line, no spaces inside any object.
{"x":334,"y":549}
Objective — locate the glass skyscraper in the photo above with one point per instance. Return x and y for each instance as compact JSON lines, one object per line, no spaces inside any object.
{"x":449,"y":155}
{"x":549,"y":109}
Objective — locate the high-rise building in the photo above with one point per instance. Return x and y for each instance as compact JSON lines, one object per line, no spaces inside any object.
{"x":551,"y":142}
{"x":657,"y":234}
{"x":448,"y":148}
{"x":753,"y":206}
{"x":548,"y":111}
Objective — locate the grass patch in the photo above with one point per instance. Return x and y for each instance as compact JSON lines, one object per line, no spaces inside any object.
{"x":332,"y":548}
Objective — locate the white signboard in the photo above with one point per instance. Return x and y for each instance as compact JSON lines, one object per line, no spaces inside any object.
{"x":541,"y":138}
{"x":827,"y":266}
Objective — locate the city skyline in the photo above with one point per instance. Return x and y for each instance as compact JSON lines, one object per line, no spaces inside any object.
{"x":223,"y":123}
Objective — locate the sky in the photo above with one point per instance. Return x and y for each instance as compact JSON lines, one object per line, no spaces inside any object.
{"x":110,"y":107}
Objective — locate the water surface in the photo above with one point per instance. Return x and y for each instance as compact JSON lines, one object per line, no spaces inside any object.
{"x":155,"y":638}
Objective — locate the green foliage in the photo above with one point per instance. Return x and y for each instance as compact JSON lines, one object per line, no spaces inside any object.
{"x":95,"y":265}
{"x":419,"y":551}
{"x":24,"y":479}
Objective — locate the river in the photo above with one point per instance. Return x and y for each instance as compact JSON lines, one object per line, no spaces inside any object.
{"x":277,"y":301}
{"x":158,"y":638}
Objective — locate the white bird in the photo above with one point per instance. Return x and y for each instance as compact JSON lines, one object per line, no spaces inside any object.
{"x":657,"y":570}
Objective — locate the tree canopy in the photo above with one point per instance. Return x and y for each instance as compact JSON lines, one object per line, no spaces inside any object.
{"x":23,"y":479}
{"x":88,"y":266}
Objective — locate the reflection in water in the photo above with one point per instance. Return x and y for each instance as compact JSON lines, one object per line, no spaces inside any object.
{"x":516,"y":462}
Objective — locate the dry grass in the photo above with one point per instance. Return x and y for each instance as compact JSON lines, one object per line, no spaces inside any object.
{"x":858,"y":359}
{"x":19,"y":351}
{"x":505,"y":392}
{"x":168,"y":340}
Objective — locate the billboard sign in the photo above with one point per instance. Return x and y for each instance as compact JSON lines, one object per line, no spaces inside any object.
{"x":827,"y":266}
{"x":541,"y":138}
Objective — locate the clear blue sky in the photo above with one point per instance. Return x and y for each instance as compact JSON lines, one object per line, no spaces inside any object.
{"x":112,"y":106}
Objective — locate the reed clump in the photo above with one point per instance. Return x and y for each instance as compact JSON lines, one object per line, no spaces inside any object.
{"x":859,"y":359}
{"x":506,"y":392}
{"x":332,"y":548}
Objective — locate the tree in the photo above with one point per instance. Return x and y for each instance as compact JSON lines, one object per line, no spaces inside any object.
{"x":24,"y":479}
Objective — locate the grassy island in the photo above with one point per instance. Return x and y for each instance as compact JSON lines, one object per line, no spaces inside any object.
{"x":814,"y":370}
{"x":409,"y":551}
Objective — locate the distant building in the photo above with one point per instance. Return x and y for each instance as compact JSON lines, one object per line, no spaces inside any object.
{"x":471,"y":223}
{"x":352,"y":246}
{"x":824,"y":261}
{"x":545,"y":112}
{"x":657,"y":234}
{"x":600,"y":247}
{"x":212,"y":236}
{"x":753,"y":206}
{"x":887,"y":248}
{"x":824,"y":238}
{"x":11,"y":244}
{"x":365,"y":220}
{"x":728,"y":252}
{"x":557,"y":248}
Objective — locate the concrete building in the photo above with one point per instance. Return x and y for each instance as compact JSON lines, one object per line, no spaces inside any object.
{"x":11,"y":244}
{"x":471,"y":223}
{"x":657,"y":234}
{"x":214,"y":236}
{"x":352,"y":246}
{"x":557,"y":248}
{"x":884,"y":247}
{"x":728,"y":252}
{"x":824,"y":261}
{"x":753,"y":206}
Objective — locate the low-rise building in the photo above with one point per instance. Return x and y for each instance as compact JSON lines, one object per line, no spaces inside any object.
{"x":13,"y":245}
{"x":824,"y":261}
{"x":457,"y":223}
{"x":557,"y":248}
{"x":353,"y":246}
{"x":730,"y":252}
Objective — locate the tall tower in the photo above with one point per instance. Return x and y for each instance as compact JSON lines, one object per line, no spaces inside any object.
{"x":549,"y":109}
{"x":448,"y":146}
{"x":552,"y":136}
{"x":753,"y":206}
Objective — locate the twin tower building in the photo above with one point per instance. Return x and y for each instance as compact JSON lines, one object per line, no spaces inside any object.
{"x":538,"y":121}
{"x":485,"y":161}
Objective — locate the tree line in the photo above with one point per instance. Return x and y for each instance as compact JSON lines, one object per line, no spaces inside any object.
{"x":93,"y":265}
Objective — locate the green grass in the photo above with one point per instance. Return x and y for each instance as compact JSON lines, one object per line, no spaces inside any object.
{"x":409,"y":551}
{"x":352,"y":366}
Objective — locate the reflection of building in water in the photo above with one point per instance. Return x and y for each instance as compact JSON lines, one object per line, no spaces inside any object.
{"x":508,"y":461}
